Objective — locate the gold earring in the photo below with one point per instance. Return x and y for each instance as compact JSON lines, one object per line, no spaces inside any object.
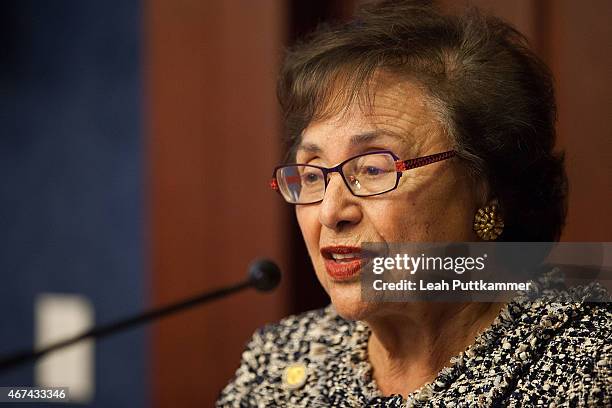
{"x":488,"y":223}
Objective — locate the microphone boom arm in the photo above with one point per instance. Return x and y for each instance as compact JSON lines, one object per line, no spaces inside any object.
{"x":264,"y":275}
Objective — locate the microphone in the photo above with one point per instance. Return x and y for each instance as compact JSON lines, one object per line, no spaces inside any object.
{"x":264,"y":275}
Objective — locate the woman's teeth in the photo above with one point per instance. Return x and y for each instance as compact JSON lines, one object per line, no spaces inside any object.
{"x":341,"y":257}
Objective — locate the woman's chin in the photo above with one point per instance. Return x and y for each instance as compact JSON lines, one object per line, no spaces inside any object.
{"x":347,"y":301}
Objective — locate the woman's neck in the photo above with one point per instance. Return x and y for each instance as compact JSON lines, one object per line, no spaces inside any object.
{"x":411,"y":344}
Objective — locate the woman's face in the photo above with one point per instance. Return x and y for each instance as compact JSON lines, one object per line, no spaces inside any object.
{"x":431,"y":203}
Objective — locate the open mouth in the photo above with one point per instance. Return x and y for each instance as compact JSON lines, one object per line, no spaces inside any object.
{"x":341,"y":253}
{"x":343,"y":263}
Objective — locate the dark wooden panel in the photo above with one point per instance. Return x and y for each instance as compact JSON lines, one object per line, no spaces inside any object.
{"x":581,"y":59}
{"x":213,"y":139}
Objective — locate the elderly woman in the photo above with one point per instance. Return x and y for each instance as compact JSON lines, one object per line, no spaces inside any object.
{"x":464,"y":113}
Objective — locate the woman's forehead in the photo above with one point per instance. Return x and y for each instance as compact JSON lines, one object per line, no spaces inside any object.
{"x":354,"y":140}
{"x":398,"y":112}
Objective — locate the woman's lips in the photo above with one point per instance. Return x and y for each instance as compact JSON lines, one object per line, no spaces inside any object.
{"x":342,"y":271}
{"x":342,"y":263}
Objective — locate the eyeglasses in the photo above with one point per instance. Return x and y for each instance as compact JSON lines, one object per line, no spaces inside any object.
{"x":365,"y":175}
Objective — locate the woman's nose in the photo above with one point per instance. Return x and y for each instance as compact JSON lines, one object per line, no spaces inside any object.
{"x":339,"y":208}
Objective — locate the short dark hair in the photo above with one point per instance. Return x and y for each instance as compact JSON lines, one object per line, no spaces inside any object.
{"x":495,"y":97}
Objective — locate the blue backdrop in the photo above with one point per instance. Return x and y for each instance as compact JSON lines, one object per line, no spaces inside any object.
{"x":71,"y":178}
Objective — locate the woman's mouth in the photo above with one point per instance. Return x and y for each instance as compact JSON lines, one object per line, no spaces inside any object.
{"x":342,"y":263}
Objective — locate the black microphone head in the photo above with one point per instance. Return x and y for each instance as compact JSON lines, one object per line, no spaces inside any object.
{"x":264,"y":275}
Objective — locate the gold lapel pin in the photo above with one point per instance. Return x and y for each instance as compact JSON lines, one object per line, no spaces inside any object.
{"x":294,"y":376}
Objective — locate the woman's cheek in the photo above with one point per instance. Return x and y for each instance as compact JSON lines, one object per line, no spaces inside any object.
{"x":310,"y":227}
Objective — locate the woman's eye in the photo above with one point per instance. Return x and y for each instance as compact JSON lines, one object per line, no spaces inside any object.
{"x":371,"y":171}
{"x":310,"y":178}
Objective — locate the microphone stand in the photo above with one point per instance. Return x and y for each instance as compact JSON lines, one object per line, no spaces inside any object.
{"x":264,"y":276}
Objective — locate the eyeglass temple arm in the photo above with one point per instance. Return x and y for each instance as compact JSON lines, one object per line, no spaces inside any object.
{"x":403,"y":165}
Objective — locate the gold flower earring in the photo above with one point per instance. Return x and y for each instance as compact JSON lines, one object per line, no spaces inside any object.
{"x":488,"y":223}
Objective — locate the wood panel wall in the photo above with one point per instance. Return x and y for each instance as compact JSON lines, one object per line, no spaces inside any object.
{"x":213,"y":139}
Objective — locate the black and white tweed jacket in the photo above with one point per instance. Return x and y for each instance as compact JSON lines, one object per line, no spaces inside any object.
{"x":536,"y":353}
